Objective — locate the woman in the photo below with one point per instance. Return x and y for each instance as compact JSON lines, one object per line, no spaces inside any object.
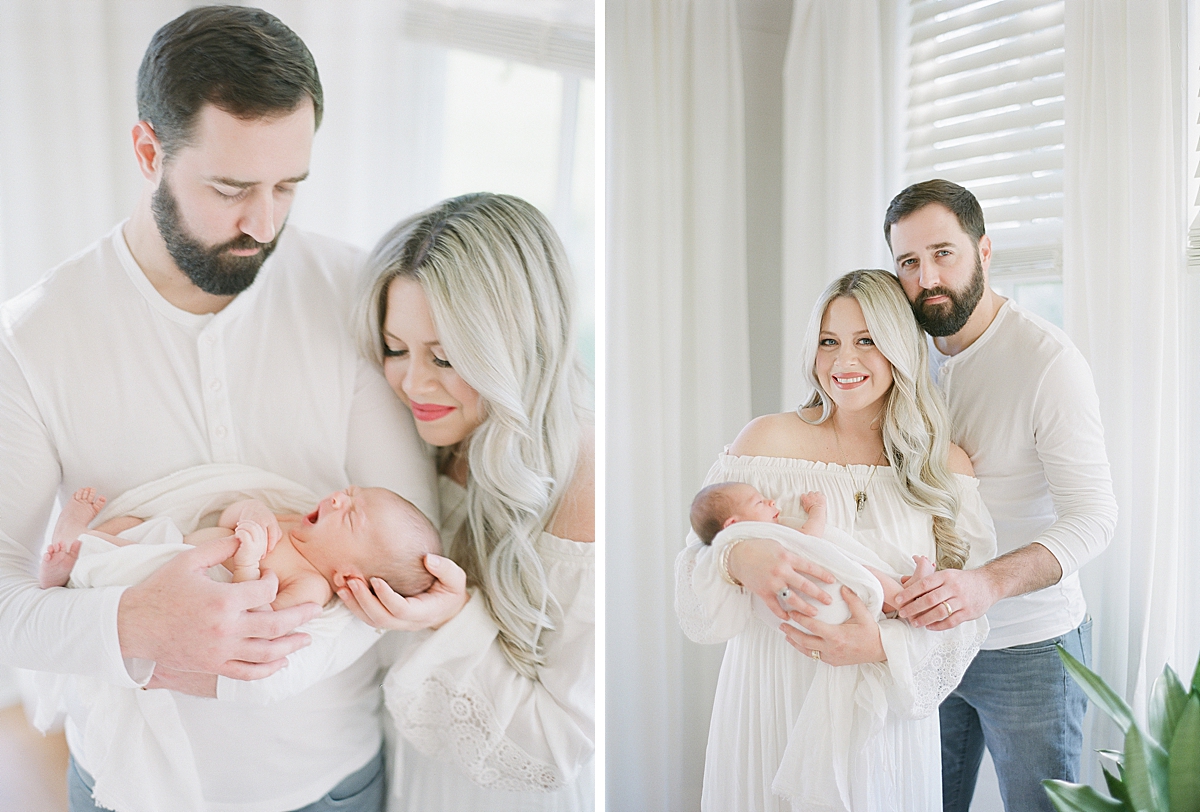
{"x":469,"y":316}
{"x":872,"y":439}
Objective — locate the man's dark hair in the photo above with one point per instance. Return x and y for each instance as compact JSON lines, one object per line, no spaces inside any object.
{"x":242,"y":60}
{"x":958,"y":200}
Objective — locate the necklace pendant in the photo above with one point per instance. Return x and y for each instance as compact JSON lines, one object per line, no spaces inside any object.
{"x":860,"y":501}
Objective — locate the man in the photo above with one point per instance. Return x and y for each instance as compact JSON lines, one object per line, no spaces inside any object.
{"x":1023,"y":405}
{"x":174,"y":341}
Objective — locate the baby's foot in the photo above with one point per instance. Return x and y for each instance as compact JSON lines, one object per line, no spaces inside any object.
{"x":924,"y":568}
{"x":76,"y":515}
{"x":57,"y":564}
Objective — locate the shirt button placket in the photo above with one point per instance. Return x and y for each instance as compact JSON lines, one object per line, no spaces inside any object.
{"x":217,"y":412}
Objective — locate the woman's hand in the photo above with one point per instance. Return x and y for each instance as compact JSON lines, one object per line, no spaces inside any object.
{"x":386,"y":609}
{"x":851,"y":643}
{"x":766,"y":567}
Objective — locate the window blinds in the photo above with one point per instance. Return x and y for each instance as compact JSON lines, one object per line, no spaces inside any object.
{"x":555,"y":34}
{"x":985,"y":110}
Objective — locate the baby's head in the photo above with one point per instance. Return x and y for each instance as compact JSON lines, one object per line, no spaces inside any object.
{"x":725,"y":503}
{"x":369,"y":533}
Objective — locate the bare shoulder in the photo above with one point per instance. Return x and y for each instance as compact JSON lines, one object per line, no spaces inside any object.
{"x":777,"y":435}
{"x":958,"y":461}
{"x":576,"y":516}
{"x":302,"y":587}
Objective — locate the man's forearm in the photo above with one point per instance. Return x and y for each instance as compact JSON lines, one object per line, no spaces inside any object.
{"x":1026,"y":569}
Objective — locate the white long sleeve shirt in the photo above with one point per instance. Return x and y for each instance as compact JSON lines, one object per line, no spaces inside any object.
{"x":1023,"y":406}
{"x":105,"y":383}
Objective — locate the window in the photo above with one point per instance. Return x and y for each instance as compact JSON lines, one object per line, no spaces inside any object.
{"x":518,"y":115}
{"x":985,"y":109}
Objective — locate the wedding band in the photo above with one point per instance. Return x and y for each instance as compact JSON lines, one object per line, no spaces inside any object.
{"x":816,"y":655}
{"x":949,"y":611}
{"x":782,"y":595}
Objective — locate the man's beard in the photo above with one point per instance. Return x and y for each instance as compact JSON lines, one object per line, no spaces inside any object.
{"x":947,"y":319}
{"x":213,"y":270}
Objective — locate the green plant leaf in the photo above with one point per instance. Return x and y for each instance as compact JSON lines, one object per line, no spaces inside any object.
{"x":1098,"y":691}
{"x":1145,"y":772}
{"x":1116,"y":788}
{"x":1184,"y":761}
{"x":1080,"y":798}
{"x":1115,"y":755}
{"x":1196,"y":678}
{"x":1166,"y":704}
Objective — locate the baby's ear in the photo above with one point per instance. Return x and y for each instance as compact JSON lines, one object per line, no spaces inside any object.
{"x":729,"y":521}
{"x":339,"y":579}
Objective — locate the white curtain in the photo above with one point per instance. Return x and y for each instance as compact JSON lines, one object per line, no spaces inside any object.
{"x":678,"y":367}
{"x":837,"y":147}
{"x":1123,"y":279}
{"x":67,"y":105}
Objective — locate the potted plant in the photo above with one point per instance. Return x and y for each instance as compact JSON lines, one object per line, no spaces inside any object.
{"x":1159,"y":770}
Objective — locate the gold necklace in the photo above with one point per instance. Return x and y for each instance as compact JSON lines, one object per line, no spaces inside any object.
{"x":860,"y":494}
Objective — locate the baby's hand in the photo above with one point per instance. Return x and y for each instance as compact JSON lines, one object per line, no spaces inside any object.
{"x":257,"y":512}
{"x":811,"y":500}
{"x":252,"y":546}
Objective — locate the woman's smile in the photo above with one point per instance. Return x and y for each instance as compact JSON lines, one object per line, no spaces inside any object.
{"x":430,"y":411}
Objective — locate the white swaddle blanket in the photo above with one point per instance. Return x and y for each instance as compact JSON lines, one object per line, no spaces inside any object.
{"x":832,"y":743}
{"x":138,"y":749}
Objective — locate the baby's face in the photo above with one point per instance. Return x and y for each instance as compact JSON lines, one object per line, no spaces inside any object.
{"x":346,"y":530}
{"x":752,"y":506}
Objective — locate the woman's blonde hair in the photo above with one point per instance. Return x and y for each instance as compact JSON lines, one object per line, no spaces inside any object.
{"x":499,"y":289}
{"x":914,"y":422}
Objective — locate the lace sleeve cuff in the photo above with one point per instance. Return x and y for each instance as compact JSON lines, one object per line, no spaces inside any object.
{"x":926,"y":666}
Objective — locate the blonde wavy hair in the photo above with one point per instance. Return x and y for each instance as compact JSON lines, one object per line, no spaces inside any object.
{"x":914,"y":423}
{"x":499,"y":289}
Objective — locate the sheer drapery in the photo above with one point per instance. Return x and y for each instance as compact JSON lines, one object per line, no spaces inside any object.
{"x":1123,"y":281}
{"x":837,"y":167}
{"x":678,"y":367}
{"x":67,"y":88}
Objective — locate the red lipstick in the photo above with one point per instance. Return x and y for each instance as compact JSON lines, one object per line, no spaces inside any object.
{"x":430,"y":411}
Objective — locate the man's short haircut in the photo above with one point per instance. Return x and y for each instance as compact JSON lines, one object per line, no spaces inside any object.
{"x":711,"y":507}
{"x":243,"y":60}
{"x":957,"y":199}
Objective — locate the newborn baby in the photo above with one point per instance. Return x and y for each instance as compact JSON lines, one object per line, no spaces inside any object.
{"x":726,"y":503}
{"x":360,"y":532}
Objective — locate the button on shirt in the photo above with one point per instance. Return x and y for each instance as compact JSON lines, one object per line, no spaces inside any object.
{"x":105,"y":383}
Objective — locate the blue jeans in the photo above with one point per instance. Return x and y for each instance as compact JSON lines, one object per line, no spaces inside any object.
{"x":1026,"y":708}
{"x":361,"y":791}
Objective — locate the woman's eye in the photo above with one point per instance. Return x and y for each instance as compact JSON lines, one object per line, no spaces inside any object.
{"x":827,"y":342}
{"x":441,"y":362}
{"x":867,"y":341}
{"x":388,"y":352}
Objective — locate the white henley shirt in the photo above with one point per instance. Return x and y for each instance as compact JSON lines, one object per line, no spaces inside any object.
{"x":105,"y":383}
{"x":1024,"y":407}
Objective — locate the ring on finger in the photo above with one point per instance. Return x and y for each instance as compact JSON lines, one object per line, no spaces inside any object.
{"x":816,"y":655}
{"x":783,"y":594}
{"x":949,"y":611}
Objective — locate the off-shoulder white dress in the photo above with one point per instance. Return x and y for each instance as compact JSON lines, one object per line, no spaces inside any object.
{"x":764,"y":681}
{"x":470,"y":733}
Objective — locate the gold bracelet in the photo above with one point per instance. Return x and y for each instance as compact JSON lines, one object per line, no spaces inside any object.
{"x":723,"y":564}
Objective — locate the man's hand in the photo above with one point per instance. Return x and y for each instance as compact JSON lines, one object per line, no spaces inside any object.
{"x":181,"y":619}
{"x":950,"y":597}
{"x":947,"y":598}
{"x":193,"y":683}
